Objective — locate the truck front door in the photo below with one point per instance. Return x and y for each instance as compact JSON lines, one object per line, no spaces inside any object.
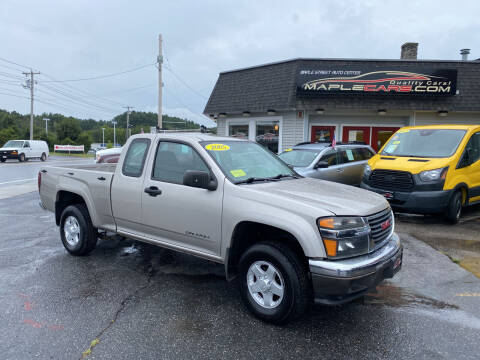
{"x":179,"y":215}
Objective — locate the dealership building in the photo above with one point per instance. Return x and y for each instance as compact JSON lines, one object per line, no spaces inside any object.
{"x":284,"y":103}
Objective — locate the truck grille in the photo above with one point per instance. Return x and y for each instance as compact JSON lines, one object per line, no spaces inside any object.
{"x":392,"y":180}
{"x":381,"y":225}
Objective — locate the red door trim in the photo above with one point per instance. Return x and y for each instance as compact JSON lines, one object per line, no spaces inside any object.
{"x":314,"y":128}
{"x":365,"y":129}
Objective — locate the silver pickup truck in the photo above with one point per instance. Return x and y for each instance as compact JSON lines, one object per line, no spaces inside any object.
{"x":290,"y":241}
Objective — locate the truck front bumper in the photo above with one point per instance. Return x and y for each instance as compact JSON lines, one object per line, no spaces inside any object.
{"x":340,"y":281}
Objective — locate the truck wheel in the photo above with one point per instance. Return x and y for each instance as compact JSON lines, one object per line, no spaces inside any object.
{"x":43,"y":157}
{"x":21,"y":158}
{"x":3,"y":160}
{"x":78,"y":235}
{"x":274,"y":283}
{"x":454,"y":210}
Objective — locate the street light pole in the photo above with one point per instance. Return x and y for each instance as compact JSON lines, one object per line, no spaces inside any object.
{"x":103,"y":137}
{"x":114,"y":136}
{"x":46,"y":125}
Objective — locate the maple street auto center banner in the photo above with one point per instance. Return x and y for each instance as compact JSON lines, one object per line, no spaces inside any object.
{"x":69,"y":148}
{"x":374,"y":80}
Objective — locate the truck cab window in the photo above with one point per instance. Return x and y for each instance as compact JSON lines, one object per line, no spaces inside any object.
{"x":135,"y":158}
{"x":473,"y":150}
{"x":173,"y":160}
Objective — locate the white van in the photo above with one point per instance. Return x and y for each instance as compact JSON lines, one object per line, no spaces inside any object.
{"x":24,"y":150}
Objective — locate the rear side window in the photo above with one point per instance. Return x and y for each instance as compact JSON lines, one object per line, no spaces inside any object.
{"x":173,"y":160}
{"x":355,"y":154}
{"x":135,"y":158}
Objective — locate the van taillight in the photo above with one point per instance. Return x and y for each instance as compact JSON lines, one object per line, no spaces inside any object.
{"x":39,"y":180}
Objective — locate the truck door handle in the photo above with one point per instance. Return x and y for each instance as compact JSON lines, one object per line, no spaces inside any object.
{"x":339,"y":170}
{"x":153,"y":191}
{"x":44,"y":171}
{"x":70,"y":173}
{"x":101,"y":178}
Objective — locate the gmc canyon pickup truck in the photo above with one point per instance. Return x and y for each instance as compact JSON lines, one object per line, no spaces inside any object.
{"x":289,"y":240}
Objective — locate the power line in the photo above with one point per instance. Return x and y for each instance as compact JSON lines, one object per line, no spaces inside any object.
{"x":103,"y":76}
{"x":184,"y":83}
{"x":14,"y":63}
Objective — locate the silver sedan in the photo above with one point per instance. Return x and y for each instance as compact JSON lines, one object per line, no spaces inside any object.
{"x":343,"y":163}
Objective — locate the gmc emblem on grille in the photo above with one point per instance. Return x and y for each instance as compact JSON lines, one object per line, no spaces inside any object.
{"x":386,"y":224}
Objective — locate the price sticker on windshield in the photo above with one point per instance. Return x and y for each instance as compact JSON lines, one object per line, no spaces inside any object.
{"x":217,"y":147}
{"x":238,"y":173}
{"x":287,"y":150}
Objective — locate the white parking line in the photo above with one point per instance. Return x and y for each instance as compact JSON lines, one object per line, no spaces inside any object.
{"x":14,"y":181}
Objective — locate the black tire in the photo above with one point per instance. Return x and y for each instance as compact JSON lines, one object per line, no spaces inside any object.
{"x":43,"y":157}
{"x":87,"y":239}
{"x":3,"y":160}
{"x":21,"y":157}
{"x":454,"y":210}
{"x":297,"y":296}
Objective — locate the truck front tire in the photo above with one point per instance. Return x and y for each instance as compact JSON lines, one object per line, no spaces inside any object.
{"x":454,"y":210}
{"x":78,"y":235}
{"x":274,"y":283}
{"x":21,"y":158}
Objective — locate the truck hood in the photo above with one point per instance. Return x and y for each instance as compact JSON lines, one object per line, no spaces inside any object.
{"x":320,"y":196}
{"x":9,"y":149}
{"x":414,"y":165}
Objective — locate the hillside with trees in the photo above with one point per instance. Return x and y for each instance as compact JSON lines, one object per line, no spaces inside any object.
{"x":67,"y":130}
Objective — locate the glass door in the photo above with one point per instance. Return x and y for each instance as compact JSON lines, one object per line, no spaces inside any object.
{"x":380,"y":136}
{"x":322,"y":133}
{"x":356,"y":134}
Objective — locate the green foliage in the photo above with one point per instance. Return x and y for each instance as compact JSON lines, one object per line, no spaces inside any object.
{"x":67,"y":130}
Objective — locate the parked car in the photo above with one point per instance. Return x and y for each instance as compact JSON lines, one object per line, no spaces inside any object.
{"x":428,"y":169}
{"x":290,"y":240}
{"x":23,"y":150}
{"x":343,"y":163}
{"x":108,"y":155}
{"x":92,"y":152}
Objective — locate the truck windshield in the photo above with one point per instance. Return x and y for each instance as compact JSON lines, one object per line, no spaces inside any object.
{"x":298,"y":157}
{"x":13,"y":144}
{"x":244,"y":161}
{"x":425,"y":143}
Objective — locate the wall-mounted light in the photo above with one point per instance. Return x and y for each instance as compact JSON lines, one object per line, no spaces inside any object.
{"x":222,"y":115}
{"x":443,"y":113}
{"x":276,"y":127}
{"x":319,"y":111}
{"x":382,"y":112}
{"x":271,"y":112}
{"x":211,"y":115}
{"x":246,"y":113}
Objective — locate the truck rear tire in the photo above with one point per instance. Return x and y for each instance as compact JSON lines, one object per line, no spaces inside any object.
{"x":274,"y":283}
{"x":78,"y":235}
{"x":454,"y":210}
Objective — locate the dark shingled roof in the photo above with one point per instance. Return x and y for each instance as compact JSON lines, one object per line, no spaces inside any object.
{"x":273,"y":86}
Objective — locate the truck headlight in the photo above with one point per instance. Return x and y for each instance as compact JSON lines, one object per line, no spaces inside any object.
{"x":367,"y":171}
{"x":344,"y":236}
{"x":433,"y":175}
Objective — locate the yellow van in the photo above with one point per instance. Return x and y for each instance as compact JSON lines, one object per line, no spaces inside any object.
{"x":428,"y":169}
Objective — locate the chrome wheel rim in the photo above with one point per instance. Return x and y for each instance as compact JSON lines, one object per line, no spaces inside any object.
{"x":459,"y":208}
{"x":71,"y":229}
{"x":265,"y":284}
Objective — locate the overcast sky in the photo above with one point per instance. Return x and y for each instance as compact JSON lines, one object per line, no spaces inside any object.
{"x":81,"y":39}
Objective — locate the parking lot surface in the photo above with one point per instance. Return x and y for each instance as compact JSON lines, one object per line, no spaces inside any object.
{"x":131,"y":300}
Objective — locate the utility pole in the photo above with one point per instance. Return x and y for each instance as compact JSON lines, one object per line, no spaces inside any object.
{"x":46,"y":125}
{"x":114,"y":137}
{"x":103,"y":137}
{"x":31,"y":84}
{"x":128,"y":121}
{"x":160,"y":83}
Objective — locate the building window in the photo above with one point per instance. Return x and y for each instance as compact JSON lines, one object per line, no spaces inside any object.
{"x":239,"y":131}
{"x":268,"y":134}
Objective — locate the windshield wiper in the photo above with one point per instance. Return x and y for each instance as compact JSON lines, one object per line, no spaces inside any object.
{"x":273,"y":178}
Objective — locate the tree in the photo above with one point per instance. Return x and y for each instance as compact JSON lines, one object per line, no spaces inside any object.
{"x":68,"y":128}
{"x":7,"y":134}
{"x":85,"y":139}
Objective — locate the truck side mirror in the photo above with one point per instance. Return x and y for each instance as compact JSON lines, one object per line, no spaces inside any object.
{"x":199,"y":179}
{"x":321,"y":165}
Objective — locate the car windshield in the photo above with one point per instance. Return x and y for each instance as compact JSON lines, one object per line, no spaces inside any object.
{"x":425,"y":143}
{"x":13,"y":144}
{"x":244,"y":161}
{"x":299,"y":157}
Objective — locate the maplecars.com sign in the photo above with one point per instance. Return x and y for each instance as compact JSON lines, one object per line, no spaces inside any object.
{"x":320,"y":81}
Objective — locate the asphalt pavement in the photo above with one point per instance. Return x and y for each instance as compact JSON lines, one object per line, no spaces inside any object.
{"x":131,"y":300}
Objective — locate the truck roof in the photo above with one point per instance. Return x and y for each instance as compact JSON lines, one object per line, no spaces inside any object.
{"x":188,"y":136}
{"x":445,"y":126}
